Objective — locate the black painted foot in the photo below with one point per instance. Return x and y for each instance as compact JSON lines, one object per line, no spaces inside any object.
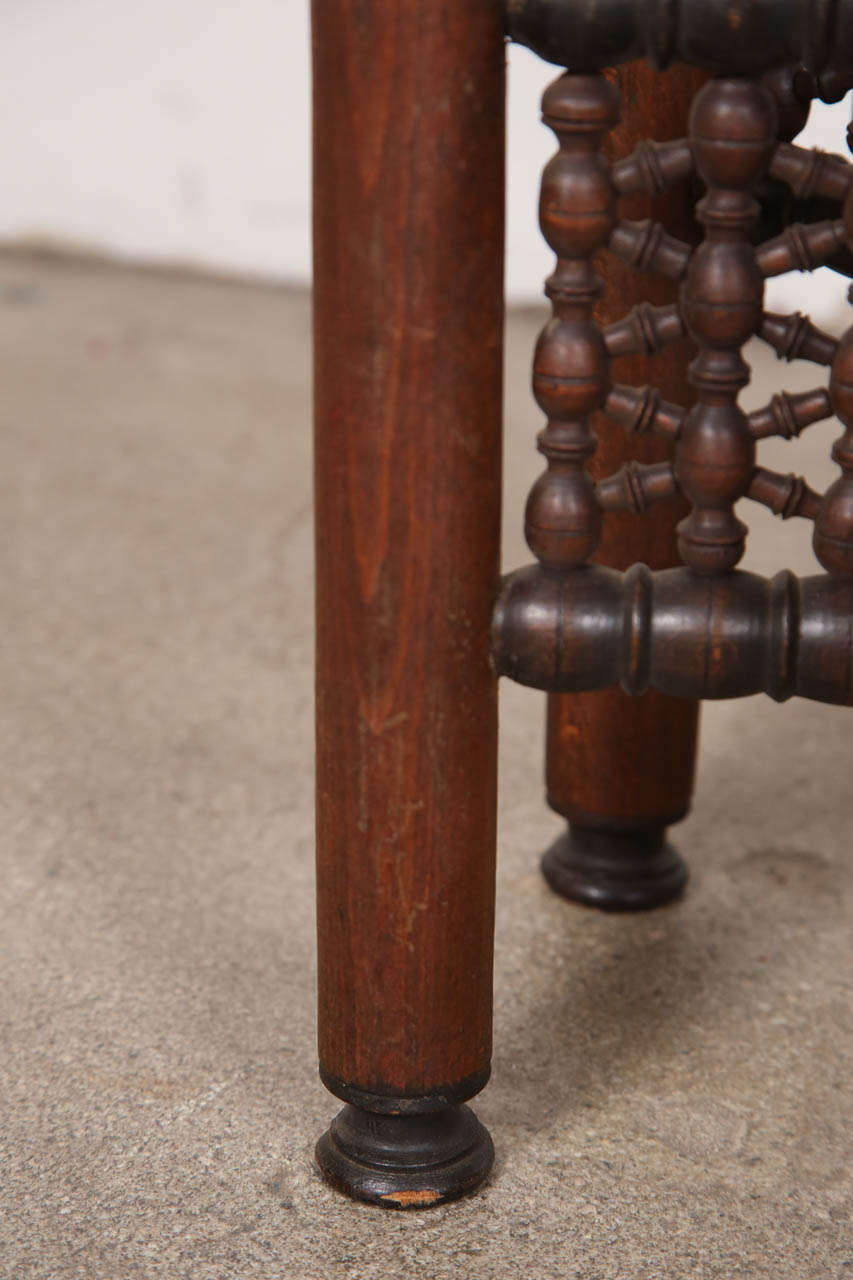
{"x":615,"y":870}
{"x":405,"y":1162}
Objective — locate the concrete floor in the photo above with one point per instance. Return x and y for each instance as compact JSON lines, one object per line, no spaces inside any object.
{"x":671,"y":1092}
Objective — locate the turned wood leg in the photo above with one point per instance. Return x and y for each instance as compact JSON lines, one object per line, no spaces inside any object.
{"x":621,"y":769}
{"x":408,"y":224}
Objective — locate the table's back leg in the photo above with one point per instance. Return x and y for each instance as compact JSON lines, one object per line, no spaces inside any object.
{"x":408,"y":200}
{"x":621,"y":769}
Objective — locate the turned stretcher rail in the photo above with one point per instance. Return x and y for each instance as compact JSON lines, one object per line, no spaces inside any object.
{"x":728,"y":37}
{"x":677,"y":631}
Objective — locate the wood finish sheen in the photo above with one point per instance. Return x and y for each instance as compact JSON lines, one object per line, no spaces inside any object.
{"x":689,"y":635}
{"x":613,"y":761}
{"x":408,"y":236}
{"x":408,"y":209}
{"x":728,"y":37}
{"x":704,"y":631}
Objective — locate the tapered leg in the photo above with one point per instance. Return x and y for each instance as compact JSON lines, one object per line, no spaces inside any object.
{"x":408,"y":200}
{"x":621,"y":769}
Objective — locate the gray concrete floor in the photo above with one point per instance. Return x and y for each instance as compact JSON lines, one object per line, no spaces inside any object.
{"x":670,"y":1096}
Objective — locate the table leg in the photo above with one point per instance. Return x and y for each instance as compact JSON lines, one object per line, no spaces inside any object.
{"x":408,"y":234}
{"x":621,"y":769}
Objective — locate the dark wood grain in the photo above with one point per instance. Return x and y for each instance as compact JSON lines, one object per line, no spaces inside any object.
{"x":621,"y":764}
{"x":742,"y":38}
{"x":408,"y":222}
{"x":690,"y":635}
{"x":408,"y":237}
{"x":616,"y":778}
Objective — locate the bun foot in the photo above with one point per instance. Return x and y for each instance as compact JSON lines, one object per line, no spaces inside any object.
{"x":405,"y":1161}
{"x":615,"y":870}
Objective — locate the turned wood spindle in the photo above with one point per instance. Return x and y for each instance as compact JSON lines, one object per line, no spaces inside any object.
{"x":570,"y":367}
{"x":733,"y":132}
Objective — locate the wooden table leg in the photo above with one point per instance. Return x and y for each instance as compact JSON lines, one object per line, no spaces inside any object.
{"x":621,"y":769}
{"x":408,"y":201}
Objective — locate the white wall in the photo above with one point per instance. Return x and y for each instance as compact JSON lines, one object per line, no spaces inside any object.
{"x":178,"y":130}
{"x":163,"y":129}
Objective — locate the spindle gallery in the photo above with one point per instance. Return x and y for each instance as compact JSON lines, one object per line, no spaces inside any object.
{"x":676,"y":191}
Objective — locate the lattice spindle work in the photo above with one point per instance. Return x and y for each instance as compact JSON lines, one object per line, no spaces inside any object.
{"x":708,"y":630}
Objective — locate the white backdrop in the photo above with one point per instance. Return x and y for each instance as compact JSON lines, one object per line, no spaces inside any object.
{"x":178,"y":131}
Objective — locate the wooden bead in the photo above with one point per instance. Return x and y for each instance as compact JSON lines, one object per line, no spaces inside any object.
{"x":563,"y":518}
{"x":833,"y":534}
{"x":581,"y":105}
{"x":733,"y":127}
{"x":571,"y":370}
{"x":712,"y":541}
{"x":716,"y":454}
{"x":723,"y":295}
{"x":577,"y":208}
